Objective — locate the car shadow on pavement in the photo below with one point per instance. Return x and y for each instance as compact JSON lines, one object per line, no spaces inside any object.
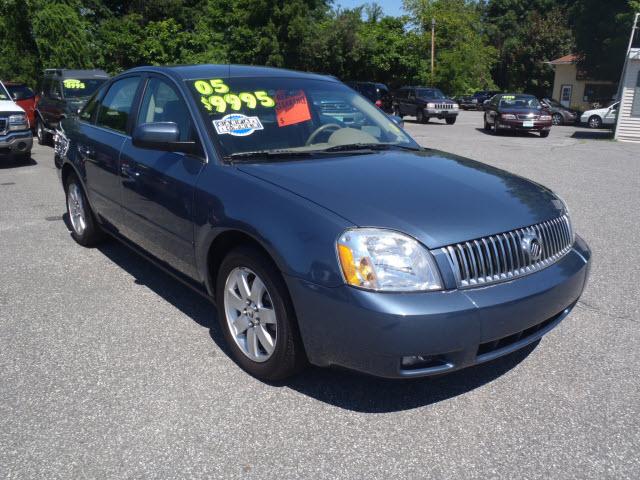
{"x":337,"y":387}
{"x":593,"y":135}
{"x":12,"y":163}
{"x":506,"y":133}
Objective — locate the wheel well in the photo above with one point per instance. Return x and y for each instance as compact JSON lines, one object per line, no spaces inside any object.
{"x":67,"y":170}
{"x":222,"y":245}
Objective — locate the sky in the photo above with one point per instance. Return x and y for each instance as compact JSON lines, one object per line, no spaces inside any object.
{"x":390,"y":7}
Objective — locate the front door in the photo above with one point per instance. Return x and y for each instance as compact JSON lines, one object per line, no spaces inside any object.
{"x":565,"y":95}
{"x":158,"y":187}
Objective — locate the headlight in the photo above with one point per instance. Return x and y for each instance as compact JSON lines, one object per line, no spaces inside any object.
{"x":384,"y":260}
{"x":545,"y":117}
{"x":508,"y":116}
{"x":567,"y":214}
{"x":456,"y":106}
{"x":18,"y":122}
{"x":431,"y":105}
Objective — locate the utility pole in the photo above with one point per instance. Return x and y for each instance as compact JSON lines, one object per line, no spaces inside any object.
{"x":433,"y":50}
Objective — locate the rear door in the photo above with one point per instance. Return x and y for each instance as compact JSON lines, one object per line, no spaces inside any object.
{"x":158,"y":187}
{"x":100,"y":145}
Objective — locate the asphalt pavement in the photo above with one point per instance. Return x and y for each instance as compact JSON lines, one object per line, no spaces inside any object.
{"x":111,"y":369}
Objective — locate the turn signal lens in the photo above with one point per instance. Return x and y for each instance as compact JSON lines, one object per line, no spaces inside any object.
{"x":508,"y":116}
{"x":384,"y":260}
{"x":545,"y":117}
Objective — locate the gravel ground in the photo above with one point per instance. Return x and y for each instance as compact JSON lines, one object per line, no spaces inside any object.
{"x":109,"y":368}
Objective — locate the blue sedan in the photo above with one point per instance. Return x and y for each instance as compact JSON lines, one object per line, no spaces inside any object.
{"x":321,"y":231}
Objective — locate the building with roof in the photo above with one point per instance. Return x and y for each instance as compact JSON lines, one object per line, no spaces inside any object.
{"x":572,"y":87}
{"x":628,"y":123}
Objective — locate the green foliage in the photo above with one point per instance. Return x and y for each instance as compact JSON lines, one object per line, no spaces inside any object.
{"x":479,"y":43}
{"x":602,"y":33}
{"x":463,"y":56}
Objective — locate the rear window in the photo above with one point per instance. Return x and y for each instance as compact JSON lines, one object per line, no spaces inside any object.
{"x":81,"y":87}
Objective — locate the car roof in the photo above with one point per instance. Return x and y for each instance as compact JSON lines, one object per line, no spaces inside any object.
{"x":192,"y":72}
{"x":66,"y":73}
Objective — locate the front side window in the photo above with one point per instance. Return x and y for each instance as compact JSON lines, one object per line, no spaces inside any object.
{"x":80,"y":87}
{"x":88,"y":112}
{"x":161,"y":103}
{"x":252,"y":114}
{"x":116,"y":106}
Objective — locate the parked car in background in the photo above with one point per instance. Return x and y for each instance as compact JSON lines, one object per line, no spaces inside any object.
{"x":516,"y":112}
{"x":25,"y":97}
{"x":319,"y":241}
{"x":465,"y":102}
{"x":560,"y":115}
{"x":378,"y":93}
{"x":601,"y":117}
{"x":16,"y":138}
{"x":478,"y":98}
{"x":424,"y":103}
{"x":62,"y":93}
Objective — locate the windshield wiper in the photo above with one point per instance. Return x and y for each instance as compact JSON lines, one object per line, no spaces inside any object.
{"x":369,"y":146}
{"x":267,"y":154}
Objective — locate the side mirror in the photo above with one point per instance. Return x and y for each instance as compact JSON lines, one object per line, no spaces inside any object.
{"x":397,"y":120}
{"x":162,"y":136}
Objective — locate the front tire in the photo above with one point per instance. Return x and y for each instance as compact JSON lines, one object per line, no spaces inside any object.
{"x":450,"y":120}
{"x":257,"y":316}
{"x":41,"y":133}
{"x":84,"y":227}
{"x":544,"y":133}
{"x":487,"y":125}
{"x":496,"y":127}
{"x":595,"y":122}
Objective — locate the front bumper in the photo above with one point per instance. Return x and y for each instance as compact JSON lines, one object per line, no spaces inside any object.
{"x":16,"y":143}
{"x":371,"y":332}
{"x":438,"y":113}
{"x":519,"y":125}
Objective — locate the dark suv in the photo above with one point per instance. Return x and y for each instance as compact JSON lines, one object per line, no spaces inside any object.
{"x":425,"y":103}
{"x":478,"y":98}
{"x":378,"y":93}
{"x":62,"y":93}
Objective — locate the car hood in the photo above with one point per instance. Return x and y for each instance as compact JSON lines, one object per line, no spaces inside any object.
{"x":524,"y":111}
{"x":436,"y":197}
{"x":595,"y":111}
{"x":9,"y":106}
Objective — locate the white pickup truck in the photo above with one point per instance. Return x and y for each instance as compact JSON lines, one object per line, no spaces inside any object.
{"x":16,"y":139}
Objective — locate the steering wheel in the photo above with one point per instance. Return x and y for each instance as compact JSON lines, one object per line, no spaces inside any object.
{"x":321,"y":129}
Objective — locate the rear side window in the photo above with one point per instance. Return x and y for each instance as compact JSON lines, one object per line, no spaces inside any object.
{"x":116,"y":105}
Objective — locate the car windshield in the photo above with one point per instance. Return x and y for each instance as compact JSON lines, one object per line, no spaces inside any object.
{"x":20,"y":92}
{"x":81,"y":87}
{"x":429,"y":93}
{"x":291,"y":115}
{"x":519,"y":101}
{"x":554,"y":103}
{"x":4,"y":95}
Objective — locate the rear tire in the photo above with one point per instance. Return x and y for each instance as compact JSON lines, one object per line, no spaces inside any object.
{"x":252,"y":316}
{"x":420,"y":118}
{"x":557,"y":119}
{"x":84,"y":227}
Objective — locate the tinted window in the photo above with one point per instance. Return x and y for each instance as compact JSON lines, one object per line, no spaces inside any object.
{"x":82,"y":87}
{"x":20,"y":92}
{"x":519,"y":101}
{"x":54,"y":89}
{"x":161,"y":103}
{"x":429,"y":93}
{"x":116,"y":106}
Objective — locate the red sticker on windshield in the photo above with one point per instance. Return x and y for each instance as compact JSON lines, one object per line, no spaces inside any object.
{"x":291,"y":109}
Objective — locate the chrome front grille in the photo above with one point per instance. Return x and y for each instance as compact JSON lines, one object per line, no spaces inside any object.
{"x":505,"y":256}
{"x":444,"y":106}
{"x":528,"y":116}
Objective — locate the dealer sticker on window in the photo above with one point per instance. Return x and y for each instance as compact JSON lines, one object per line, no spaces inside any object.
{"x":237,"y":124}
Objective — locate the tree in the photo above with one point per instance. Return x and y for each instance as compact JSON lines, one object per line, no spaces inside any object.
{"x":464,"y":57}
{"x":602,"y":32}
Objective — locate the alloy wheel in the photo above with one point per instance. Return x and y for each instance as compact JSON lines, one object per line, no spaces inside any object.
{"x":75,"y":205}
{"x":556,"y":119}
{"x":595,"y":122}
{"x":250,"y":314}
